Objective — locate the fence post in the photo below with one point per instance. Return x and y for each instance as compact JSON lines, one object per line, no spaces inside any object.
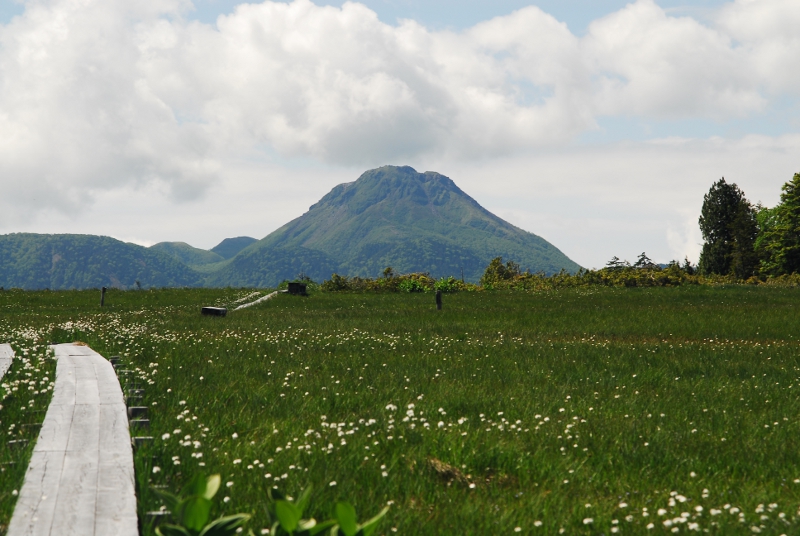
{"x":439,"y":300}
{"x":102,"y":296}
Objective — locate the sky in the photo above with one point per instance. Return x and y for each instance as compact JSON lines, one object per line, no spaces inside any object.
{"x":596,"y":124}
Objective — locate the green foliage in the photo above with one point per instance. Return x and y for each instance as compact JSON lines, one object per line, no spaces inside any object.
{"x":449,"y":284}
{"x":348,"y":524}
{"x":22,"y":410}
{"x":191,"y":510}
{"x":616,"y":273}
{"x":289,"y":520}
{"x":779,"y":241}
{"x":187,"y":254}
{"x":729,"y":227}
{"x":744,"y":231}
{"x":500,"y":274}
{"x":230,"y":247}
{"x":718,"y":359}
{"x":288,"y":515}
{"x":36,"y":261}
{"x":413,"y":285}
{"x":391,"y":282}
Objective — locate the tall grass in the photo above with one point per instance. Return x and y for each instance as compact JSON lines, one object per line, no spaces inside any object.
{"x":588,"y":410}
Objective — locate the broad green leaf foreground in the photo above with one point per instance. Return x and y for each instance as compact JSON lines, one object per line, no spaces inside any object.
{"x":590,"y":410}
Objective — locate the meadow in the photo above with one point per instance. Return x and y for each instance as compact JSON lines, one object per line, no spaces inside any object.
{"x":577,"y":411}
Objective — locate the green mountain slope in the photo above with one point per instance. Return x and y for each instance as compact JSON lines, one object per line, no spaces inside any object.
{"x":187,"y":254}
{"x":391,"y":216}
{"x":36,"y":261}
{"x":229,"y":247}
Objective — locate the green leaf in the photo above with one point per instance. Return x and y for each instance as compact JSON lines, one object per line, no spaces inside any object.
{"x":170,"y":501}
{"x":288,"y":515}
{"x":172,"y":530}
{"x":321,"y":527}
{"x":195,"y":512}
{"x":196,"y":486}
{"x":276,"y":495}
{"x":370,"y":526}
{"x":225,"y":526}
{"x":305,"y":497}
{"x":212,"y":486}
{"x":346,"y":516}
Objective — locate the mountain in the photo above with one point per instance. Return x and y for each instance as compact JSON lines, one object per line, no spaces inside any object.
{"x":228,"y":248}
{"x":390,"y":216}
{"x":187,"y":254}
{"x":65,"y":261}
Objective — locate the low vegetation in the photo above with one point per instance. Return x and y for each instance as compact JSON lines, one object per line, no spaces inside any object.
{"x":581,"y":410}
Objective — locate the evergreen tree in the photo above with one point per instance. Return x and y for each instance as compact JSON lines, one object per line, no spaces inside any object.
{"x":779,"y":242}
{"x":765,"y":243}
{"x":729,"y":227}
{"x":744,"y":231}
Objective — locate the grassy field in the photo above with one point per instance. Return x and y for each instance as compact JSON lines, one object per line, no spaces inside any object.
{"x":581,"y":411}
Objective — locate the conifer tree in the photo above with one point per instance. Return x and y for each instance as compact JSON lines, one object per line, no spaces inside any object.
{"x":729,"y":227}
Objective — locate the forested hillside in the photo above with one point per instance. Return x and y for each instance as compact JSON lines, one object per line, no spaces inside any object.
{"x":38,"y":261}
{"x":187,"y":254}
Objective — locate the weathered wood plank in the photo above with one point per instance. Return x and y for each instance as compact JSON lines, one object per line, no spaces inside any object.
{"x":6,"y":356}
{"x":33,"y":514}
{"x":80,"y":479}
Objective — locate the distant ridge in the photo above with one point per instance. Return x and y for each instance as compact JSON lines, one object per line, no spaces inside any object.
{"x":68,"y":261}
{"x":228,"y":248}
{"x":187,"y":254}
{"x":391,"y":216}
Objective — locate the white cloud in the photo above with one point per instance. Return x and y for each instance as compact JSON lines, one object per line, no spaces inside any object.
{"x":650,"y":64}
{"x":766,"y":32}
{"x":127,"y":102}
{"x":625,"y":198}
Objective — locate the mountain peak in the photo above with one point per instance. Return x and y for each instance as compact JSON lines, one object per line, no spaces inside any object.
{"x":394,"y":216}
{"x":392,"y":184}
{"x":230,"y":247}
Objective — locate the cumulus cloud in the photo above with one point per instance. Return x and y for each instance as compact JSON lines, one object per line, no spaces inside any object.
{"x":647,"y":63}
{"x":98,"y":95}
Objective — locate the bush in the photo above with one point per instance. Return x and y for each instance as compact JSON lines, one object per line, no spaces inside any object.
{"x":391,"y":282}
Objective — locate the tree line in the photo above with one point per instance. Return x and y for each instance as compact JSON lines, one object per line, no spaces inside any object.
{"x":745,"y":240}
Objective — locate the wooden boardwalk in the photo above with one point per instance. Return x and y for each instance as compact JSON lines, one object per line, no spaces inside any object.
{"x":80,"y":480}
{"x":259,"y":300}
{"x":6,"y":355}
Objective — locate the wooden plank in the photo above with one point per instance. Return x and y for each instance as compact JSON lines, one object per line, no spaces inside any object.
{"x":80,"y":479}
{"x":6,"y":356}
{"x":33,"y":514}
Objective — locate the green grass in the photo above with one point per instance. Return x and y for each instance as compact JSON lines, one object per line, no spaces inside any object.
{"x":653,"y":399}
{"x":25,"y":392}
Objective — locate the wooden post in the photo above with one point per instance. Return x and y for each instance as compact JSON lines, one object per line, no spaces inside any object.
{"x":102,"y":296}
{"x":439,"y":300}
